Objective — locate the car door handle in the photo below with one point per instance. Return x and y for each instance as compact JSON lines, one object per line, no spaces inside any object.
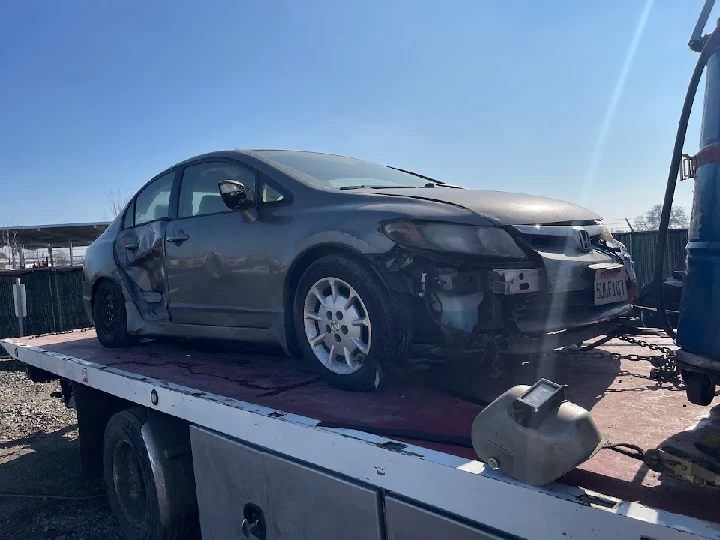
{"x":179,"y":236}
{"x":132,"y":246}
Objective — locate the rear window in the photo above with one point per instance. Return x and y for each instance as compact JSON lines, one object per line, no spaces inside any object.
{"x":153,"y":202}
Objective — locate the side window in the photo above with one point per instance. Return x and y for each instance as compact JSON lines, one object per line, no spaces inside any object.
{"x":153,"y":202}
{"x":199,"y":192}
{"x":270,"y":194}
{"x":128,"y":219}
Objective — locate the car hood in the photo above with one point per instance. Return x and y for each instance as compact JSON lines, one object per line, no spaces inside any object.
{"x":500,"y":207}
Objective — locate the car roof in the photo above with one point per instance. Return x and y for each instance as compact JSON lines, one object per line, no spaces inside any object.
{"x":255,"y":154}
{"x":245,"y":152}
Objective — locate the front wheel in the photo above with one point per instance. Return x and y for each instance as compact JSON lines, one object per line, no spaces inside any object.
{"x":348,"y":324}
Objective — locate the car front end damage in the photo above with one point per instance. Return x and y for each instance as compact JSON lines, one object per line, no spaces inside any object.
{"x":565,"y":283}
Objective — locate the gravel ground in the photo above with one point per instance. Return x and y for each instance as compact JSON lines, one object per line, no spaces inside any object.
{"x":39,"y":459}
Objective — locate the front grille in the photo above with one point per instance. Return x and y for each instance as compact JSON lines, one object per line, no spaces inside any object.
{"x":556,"y":238}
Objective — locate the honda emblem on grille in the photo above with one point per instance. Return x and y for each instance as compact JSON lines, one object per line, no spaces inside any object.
{"x":583,"y":240}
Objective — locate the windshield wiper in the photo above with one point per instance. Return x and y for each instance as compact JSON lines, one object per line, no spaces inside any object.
{"x":378,"y":187}
{"x":434,"y":182}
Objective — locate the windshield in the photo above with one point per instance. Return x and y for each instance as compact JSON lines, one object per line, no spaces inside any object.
{"x":339,"y":172}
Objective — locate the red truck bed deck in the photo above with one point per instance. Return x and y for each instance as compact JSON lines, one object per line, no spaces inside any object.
{"x":625,"y":403}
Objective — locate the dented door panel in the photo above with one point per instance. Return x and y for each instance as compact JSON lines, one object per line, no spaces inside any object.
{"x":140,"y":254}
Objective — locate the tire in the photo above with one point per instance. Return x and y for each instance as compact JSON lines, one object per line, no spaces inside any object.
{"x":649,"y":319}
{"x":388,"y":335}
{"x":38,"y":375}
{"x":129,"y":479}
{"x":110,"y":316}
{"x":699,"y":387}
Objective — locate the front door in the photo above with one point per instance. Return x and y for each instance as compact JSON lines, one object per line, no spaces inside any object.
{"x":139,"y":248}
{"x":217,"y":270}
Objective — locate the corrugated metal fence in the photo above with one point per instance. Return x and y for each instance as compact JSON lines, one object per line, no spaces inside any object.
{"x":641,"y":246}
{"x":54,"y":301}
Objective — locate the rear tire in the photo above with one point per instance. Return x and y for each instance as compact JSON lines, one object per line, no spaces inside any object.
{"x":110,"y":316}
{"x":130,"y":481}
{"x":386,"y":334}
{"x":38,"y":375}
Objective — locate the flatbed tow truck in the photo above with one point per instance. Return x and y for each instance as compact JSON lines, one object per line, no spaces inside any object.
{"x":229,"y":442}
{"x":252,"y":445}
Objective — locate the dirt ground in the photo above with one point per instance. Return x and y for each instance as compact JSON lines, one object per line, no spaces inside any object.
{"x":42,"y":492}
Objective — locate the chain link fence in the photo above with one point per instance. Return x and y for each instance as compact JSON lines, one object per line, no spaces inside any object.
{"x":54,"y":301}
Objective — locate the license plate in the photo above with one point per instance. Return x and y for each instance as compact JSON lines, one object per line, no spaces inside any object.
{"x":610,"y":286}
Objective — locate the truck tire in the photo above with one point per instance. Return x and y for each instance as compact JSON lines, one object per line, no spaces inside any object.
{"x":130,"y":482}
{"x":110,"y":316}
{"x":699,"y":387}
{"x":38,"y":375}
{"x":649,"y":319}
{"x":333,"y":292}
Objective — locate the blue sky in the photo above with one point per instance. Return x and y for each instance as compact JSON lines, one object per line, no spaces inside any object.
{"x":512,"y":95}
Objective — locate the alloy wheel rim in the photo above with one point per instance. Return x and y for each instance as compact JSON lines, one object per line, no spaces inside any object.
{"x":337,"y":325}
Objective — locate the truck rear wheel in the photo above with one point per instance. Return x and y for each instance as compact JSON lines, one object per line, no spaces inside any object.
{"x":130,"y":481}
{"x":699,"y":387}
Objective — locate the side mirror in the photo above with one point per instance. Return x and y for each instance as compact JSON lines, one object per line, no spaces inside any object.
{"x":235,"y":195}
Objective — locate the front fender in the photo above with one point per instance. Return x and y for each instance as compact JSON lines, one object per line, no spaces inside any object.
{"x":370,"y":244}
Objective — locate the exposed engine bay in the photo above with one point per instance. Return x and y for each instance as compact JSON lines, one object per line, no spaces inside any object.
{"x":575,"y":276}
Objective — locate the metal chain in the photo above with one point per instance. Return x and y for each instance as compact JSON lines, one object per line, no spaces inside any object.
{"x":664,"y":367}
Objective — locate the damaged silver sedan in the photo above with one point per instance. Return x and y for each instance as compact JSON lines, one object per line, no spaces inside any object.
{"x":350,"y":264}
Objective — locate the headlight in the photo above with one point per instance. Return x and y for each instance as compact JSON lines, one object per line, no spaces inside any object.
{"x":469,"y":239}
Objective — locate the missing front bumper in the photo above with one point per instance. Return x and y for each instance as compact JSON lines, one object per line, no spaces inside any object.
{"x":551,"y":341}
{"x":518,"y":281}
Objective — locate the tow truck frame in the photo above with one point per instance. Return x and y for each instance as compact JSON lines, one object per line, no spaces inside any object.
{"x":308,"y":481}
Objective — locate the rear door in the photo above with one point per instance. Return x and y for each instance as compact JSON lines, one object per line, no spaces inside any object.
{"x":140,"y":246}
{"x":217,"y":260}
